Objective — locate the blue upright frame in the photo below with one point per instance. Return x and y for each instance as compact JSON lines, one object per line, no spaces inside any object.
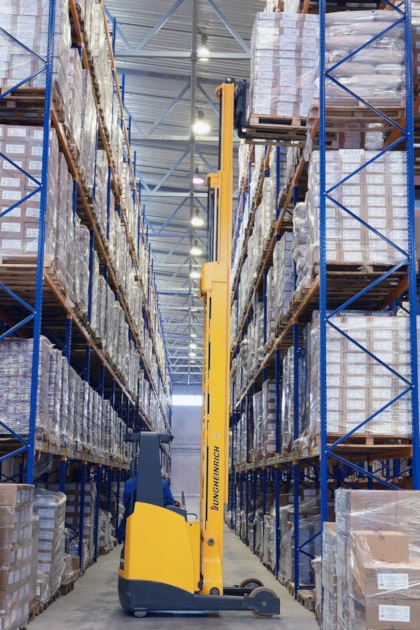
{"x":35,"y":313}
{"x":407,"y":136}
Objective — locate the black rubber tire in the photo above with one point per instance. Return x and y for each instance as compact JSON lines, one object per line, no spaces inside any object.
{"x":255,"y":592}
{"x":251,"y":583}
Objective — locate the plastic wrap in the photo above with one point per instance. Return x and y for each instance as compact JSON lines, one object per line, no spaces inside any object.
{"x":16,"y":554}
{"x":283,"y":276}
{"x":28,"y":23}
{"x":377,"y":195}
{"x":82,"y":237}
{"x":16,"y":384}
{"x":378,"y":530}
{"x":288,"y":399}
{"x":55,"y":395}
{"x":376,"y":73}
{"x":283,"y":50}
{"x":358,"y":385}
{"x":74,"y":105}
{"x":106,"y":532}
{"x":51,"y":508}
{"x":73,"y":491}
{"x":329,"y":577}
{"x":316,"y":565}
{"x":269,"y":418}
{"x":88,"y":135}
{"x":101,"y":190}
{"x":19,"y":228}
{"x":301,"y":246}
{"x":256,"y":443}
{"x":309,"y":526}
{"x":269,"y":540}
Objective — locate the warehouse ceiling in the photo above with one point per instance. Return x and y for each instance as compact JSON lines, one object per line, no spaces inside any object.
{"x":166,"y":86}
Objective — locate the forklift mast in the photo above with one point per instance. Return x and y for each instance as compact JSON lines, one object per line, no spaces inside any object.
{"x":215,"y":291}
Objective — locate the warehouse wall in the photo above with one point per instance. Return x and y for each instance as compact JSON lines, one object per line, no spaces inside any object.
{"x":186,"y":426}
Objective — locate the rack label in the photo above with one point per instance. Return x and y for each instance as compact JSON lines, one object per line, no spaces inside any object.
{"x":394,"y":613}
{"x":393,"y":581}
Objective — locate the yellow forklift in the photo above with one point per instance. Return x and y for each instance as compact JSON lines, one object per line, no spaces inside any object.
{"x":171,"y":562}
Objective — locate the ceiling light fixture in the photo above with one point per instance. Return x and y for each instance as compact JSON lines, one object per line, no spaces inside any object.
{"x":197,"y":221}
{"x":192,"y":354}
{"x":203,"y":49}
{"x":193,"y":346}
{"x":200,"y":126}
{"x":193,"y":335}
{"x":195,"y":250}
{"x":195,"y":274}
{"x":192,"y":361}
{"x":197,"y":177}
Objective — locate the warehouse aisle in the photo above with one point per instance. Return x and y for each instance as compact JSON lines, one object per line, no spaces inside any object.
{"x":93,"y":605}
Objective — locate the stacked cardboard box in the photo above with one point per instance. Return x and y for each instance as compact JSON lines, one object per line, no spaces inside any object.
{"x":288,"y":398}
{"x":378,"y":531}
{"x":16,"y":384}
{"x":359,"y":386}
{"x":377,"y":195}
{"x":309,"y":526}
{"x":376,"y":72}
{"x":283,"y":279}
{"x":283,"y":51}
{"x":21,"y":148}
{"x":269,"y":418}
{"x":329,"y":577}
{"x":16,"y":553}
{"x":73,"y":506}
{"x":51,"y":508}
{"x":26,"y":24}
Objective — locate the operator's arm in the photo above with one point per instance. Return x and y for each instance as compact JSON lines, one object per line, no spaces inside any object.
{"x":167,"y":494}
{"x":127,"y":492}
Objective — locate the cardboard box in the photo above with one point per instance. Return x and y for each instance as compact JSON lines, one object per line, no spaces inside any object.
{"x":15,"y":493}
{"x":397,"y":614}
{"x":392,"y":547}
{"x":388,"y":582}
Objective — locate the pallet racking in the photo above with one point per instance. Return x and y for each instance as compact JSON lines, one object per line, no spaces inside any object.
{"x":329,"y":463}
{"x":35,"y":302}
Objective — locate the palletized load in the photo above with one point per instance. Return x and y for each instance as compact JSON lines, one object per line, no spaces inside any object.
{"x":378,"y":559}
{"x":359,"y":383}
{"x":17,"y":586}
{"x":51,"y":509}
{"x":376,"y":197}
{"x":375,"y":73}
{"x":283,"y":51}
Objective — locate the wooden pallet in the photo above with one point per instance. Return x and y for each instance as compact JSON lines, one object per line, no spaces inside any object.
{"x":356,"y":117}
{"x":306,"y":598}
{"x":365,"y":440}
{"x":25,"y":105}
{"x":275,"y":129}
{"x":290,"y":587}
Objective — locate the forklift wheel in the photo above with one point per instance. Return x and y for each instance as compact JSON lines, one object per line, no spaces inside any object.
{"x":263,"y":594}
{"x":139,"y":614}
{"x":251,"y":583}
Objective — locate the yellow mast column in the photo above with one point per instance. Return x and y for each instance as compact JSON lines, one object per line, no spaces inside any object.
{"x":215,"y":290}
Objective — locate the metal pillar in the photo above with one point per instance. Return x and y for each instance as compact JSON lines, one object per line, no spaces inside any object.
{"x":63,"y":471}
{"x":97,"y":506}
{"x":82,"y":511}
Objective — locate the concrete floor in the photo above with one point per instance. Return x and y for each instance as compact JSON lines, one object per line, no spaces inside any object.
{"x":93,"y":605}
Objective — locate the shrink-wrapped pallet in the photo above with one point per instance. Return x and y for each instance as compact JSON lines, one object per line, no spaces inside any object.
{"x":359,"y":383}
{"x":377,"y":532}
{"x":51,"y":509}
{"x":376,"y":72}
{"x":16,"y":553}
{"x":22,"y":148}
{"x":16,"y":386}
{"x":283,"y":50}
{"x":373,"y":227}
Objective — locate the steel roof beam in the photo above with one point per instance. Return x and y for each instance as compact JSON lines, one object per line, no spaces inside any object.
{"x":158,"y":26}
{"x":180,"y":54}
